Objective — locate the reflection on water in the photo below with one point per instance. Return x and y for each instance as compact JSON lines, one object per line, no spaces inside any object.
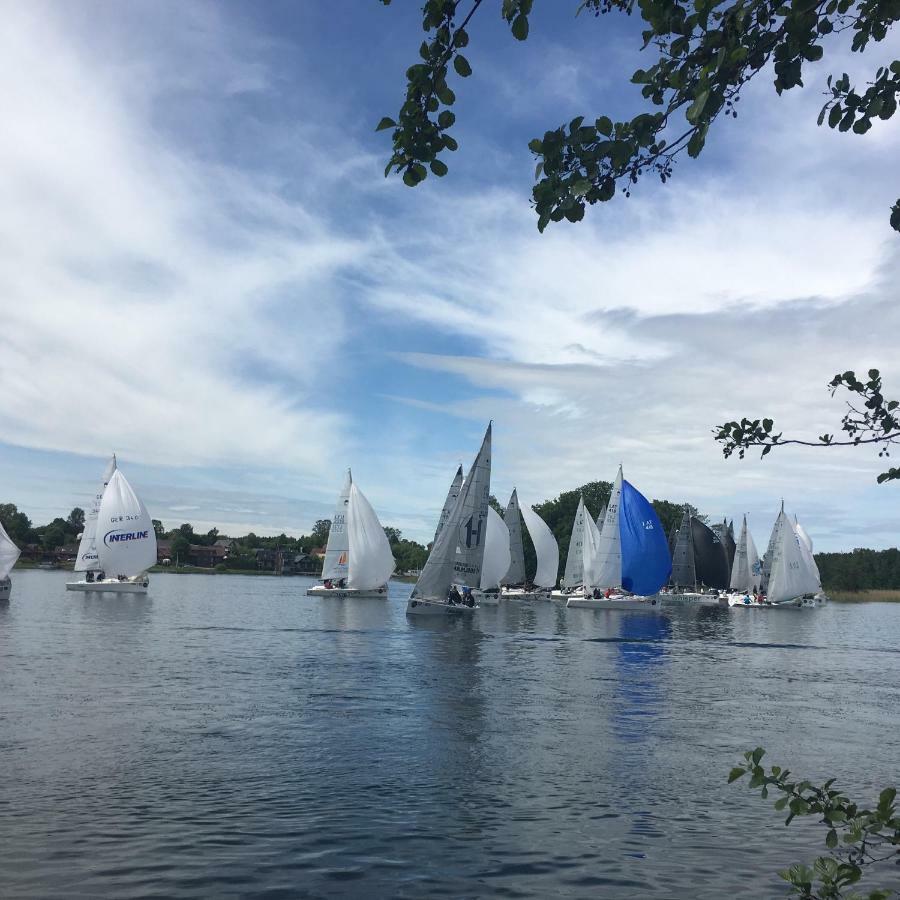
{"x":230,"y":736}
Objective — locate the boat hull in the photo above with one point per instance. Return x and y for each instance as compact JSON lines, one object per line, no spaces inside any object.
{"x":692,"y":598}
{"x":110,"y":586}
{"x":420,"y":607}
{"x":347,"y":593}
{"x":562,"y":596}
{"x":518,"y":594}
{"x":651,"y":604}
{"x":5,"y":589}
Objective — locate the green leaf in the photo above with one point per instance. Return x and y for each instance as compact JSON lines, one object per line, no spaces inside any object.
{"x":895,"y":216}
{"x":439,"y":168}
{"x":446,"y":118}
{"x":604,"y":125}
{"x":520,"y":27}
{"x":834,"y":116}
{"x":386,"y":122}
{"x":695,"y":144}
{"x":735,"y":773}
{"x":831,"y":839}
{"x":461,"y":64}
{"x":695,"y":110}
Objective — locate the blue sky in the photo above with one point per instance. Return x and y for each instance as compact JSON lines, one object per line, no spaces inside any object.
{"x":204,"y":270}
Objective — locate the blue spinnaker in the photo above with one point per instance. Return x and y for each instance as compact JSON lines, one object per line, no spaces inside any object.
{"x":646,"y":562}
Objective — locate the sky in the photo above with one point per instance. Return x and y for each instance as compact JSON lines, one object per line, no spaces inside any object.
{"x":203,"y":269}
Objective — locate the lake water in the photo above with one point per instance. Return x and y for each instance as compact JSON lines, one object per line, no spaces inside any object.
{"x":227,"y":736}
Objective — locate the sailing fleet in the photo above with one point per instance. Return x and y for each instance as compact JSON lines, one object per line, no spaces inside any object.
{"x":620,"y":561}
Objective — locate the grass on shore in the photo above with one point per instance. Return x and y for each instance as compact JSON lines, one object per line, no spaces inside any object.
{"x":864,"y":596}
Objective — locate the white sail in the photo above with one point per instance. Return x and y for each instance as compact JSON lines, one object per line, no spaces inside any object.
{"x":371,"y":561}
{"x":806,"y":551}
{"x":452,"y":494}
{"x":88,"y":560}
{"x":768,"y":559}
{"x":496,"y":551}
{"x":516,"y":572}
{"x":601,"y":518}
{"x":126,"y":540}
{"x":545,"y":547}
{"x":610,"y":544}
{"x":741,"y":579}
{"x":574,"y":570}
{"x":790,"y":576}
{"x":9,"y":553}
{"x":337,"y":563}
{"x":458,"y":552}
{"x":591,"y":558}
{"x":753,"y":562}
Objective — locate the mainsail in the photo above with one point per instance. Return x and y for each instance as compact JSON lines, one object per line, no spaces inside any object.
{"x":684,"y":573}
{"x":9,"y":553}
{"x":745,"y":572}
{"x":646,"y":563}
{"x":371,"y":561}
{"x":452,"y":494}
{"x":710,"y":561}
{"x":573,"y":574}
{"x":770,"y":550}
{"x":591,"y":564}
{"x":126,"y":540}
{"x":545,"y":547}
{"x":458,"y":552}
{"x":496,"y":551}
{"x":609,"y":548}
{"x":516,"y":572}
{"x":88,"y":559}
{"x":790,"y":576}
{"x":336,"y":563}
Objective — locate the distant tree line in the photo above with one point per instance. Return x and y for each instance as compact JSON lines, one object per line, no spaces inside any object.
{"x":860,"y":570}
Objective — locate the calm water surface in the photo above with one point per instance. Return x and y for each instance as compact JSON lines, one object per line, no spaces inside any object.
{"x":227,"y":736}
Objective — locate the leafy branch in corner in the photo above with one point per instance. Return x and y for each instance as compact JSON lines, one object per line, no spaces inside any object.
{"x":706,"y":52}
{"x":870,"y":419}
{"x":856,"y":837}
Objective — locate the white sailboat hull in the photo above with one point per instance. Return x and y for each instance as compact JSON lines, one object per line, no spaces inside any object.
{"x":421,"y":607}
{"x":520,"y":594}
{"x":646,"y":603}
{"x":347,"y":593}
{"x":563,"y":596}
{"x":136,"y":585}
{"x":692,"y":598}
{"x":5,"y":589}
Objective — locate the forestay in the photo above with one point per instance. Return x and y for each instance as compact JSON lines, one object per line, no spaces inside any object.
{"x":336,"y":564}
{"x":646,"y":563}
{"x":516,"y":572}
{"x":9,"y":553}
{"x":126,"y":540}
{"x":545,"y":547}
{"x":88,"y":559}
{"x":452,"y":494}
{"x":458,"y":552}
{"x":496,"y":551}
{"x":371,"y":561}
{"x":574,"y":572}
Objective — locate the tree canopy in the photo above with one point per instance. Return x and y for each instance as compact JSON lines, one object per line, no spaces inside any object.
{"x":703,"y":54}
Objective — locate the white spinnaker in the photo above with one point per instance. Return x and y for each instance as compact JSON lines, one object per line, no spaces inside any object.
{"x":9,"y":553}
{"x":126,"y":540}
{"x":452,"y":494}
{"x":790,"y":576}
{"x":88,"y":560}
{"x":741,"y":578}
{"x":458,"y":552}
{"x":516,"y":572}
{"x":545,"y":547}
{"x":591,"y":560}
{"x":337,"y":563}
{"x":610,"y":544}
{"x":371,"y":561}
{"x":806,"y":551}
{"x":496,"y":551}
{"x":574,"y":570}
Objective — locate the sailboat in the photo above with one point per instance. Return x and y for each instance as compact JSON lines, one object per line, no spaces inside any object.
{"x":573,"y":575}
{"x":125,"y":542}
{"x":746,"y":572}
{"x":457,"y":555}
{"x":9,"y":553}
{"x":699,"y":564}
{"x":88,"y":557}
{"x":358,"y":560}
{"x":793,"y":575}
{"x":545,"y":548}
{"x":629,"y":557}
{"x":497,"y":559}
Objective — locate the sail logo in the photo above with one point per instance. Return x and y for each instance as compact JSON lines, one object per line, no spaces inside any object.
{"x":116,"y":537}
{"x":473,"y":534}
{"x":90,"y":557}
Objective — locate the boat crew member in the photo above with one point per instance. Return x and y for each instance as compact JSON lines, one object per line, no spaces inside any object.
{"x":453,"y":597}
{"x":467,"y":597}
